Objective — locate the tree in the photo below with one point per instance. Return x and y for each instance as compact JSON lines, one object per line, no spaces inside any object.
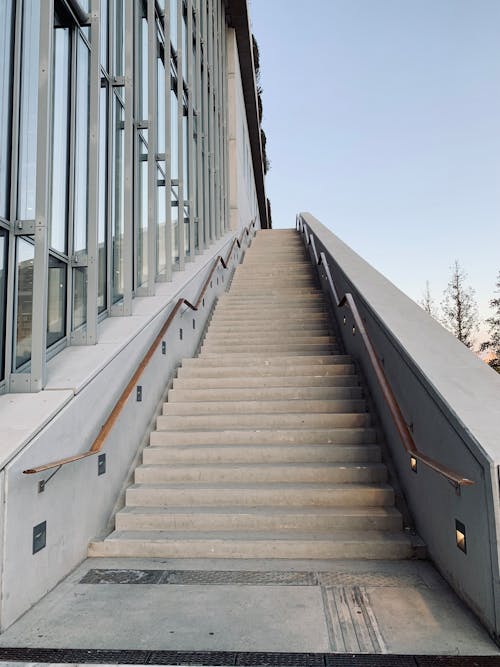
{"x":427,"y":302}
{"x":460,"y":315}
{"x":493,"y":344}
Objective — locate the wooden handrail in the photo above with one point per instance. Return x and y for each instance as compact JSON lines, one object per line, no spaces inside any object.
{"x":99,"y":441}
{"x":401,"y":426}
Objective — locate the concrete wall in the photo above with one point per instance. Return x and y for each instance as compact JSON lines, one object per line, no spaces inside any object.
{"x":450,"y":399}
{"x":84,"y":384}
{"x":242,"y":193}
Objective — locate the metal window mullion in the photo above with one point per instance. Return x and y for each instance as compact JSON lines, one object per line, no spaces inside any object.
{"x":180,"y":137}
{"x":226,"y":126}
{"x":199,"y":132}
{"x":41,"y":255}
{"x":217,"y":65}
{"x":152,"y":147}
{"x":10,"y":323}
{"x":128,"y":203}
{"x":213,"y":234}
{"x":93,"y":176}
{"x":168,"y":146}
{"x":190,"y":125}
{"x":206,"y":166}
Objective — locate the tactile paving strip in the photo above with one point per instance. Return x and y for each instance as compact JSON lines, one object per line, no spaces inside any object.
{"x":228,"y":659}
{"x":375,"y":579}
{"x":200,"y":577}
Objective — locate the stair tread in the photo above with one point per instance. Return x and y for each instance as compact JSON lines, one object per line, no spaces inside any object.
{"x":265,"y":509}
{"x":330,"y":536}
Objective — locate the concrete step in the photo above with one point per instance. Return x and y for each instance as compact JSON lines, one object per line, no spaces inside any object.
{"x":264,"y":394}
{"x":265,"y":348}
{"x":259,"y":361}
{"x":264,"y":309}
{"x":320,"y":329}
{"x":268,"y":351}
{"x":200,"y":454}
{"x":279,"y":519}
{"x":215,"y":370}
{"x":263,"y":383}
{"x":261,"y":407}
{"x":253,"y":495}
{"x":219,"y":338}
{"x":211,"y":422}
{"x":262,"y":473}
{"x":280,"y":436}
{"x":282,"y":317}
{"x":257,"y":329}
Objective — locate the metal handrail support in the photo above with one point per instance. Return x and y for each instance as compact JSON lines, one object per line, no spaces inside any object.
{"x":99,"y":441}
{"x":402,"y":428}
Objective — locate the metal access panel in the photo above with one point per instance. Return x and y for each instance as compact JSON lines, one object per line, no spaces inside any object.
{"x":39,"y":536}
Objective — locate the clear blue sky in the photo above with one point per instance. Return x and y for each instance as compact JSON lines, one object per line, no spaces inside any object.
{"x":383,"y":121}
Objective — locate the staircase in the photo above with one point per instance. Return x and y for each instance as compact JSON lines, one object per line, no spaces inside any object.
{"x":265,"y":447}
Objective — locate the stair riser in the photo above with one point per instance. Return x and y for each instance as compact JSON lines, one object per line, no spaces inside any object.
{"x":272,"y":339}
{"x":265,"y":371}
{"x":264,"y":350}
{"x":262,"y":421}
{"x":241,"y":521}
{"x":191,"y":454}
{"x":245,"y":497}
{"x":236,"y":549}
{"x":282,"y":407}
{"x":311,"y":362}
{"x":296,"y":317}
{"x":230,"y":436}
{"x":271,"y":328}
{"x":272,"y":394}
{"x":263,"y":383}
{"x":267,"y":474}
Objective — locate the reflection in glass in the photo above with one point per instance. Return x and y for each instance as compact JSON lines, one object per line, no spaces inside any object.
{"x":3,"y":287}
{"x":104,"y":34}
{"x":29,"y":111}
{"x":103,"y":215}
{"x":117,"y":238}
{"x":81,"y":147}
{"x":143,"y":68}
{"x":119,"y":42}
{"x":160,"y":110}
{"x":161,"y":264}
{"x":185,"y":165}
{"x":79,"y":296}
{"x":174,"y":142}
{"x":60,"y":142}
{"x":6,"y":55}
{"x":56,"y":301}
{"x":142,"y":232}
{"x":173,"y":23}
{"x":24,"y":300}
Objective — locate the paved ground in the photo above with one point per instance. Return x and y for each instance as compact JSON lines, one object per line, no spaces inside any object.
{"x":290,"y":606}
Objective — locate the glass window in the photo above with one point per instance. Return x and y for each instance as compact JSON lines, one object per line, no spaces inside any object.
{"x":119,"y":45}
{"x":174,"y":173}
{"x":104,"y":34}
{"x":6,"y":58}
{"x":160,"y":110}
{"x":79,"y":297}
{"x":173,"y":23}
{"x":3,"y":288}
{"x":56,"y":301}
{"x":142,"y":236}
{"x":118,"y":200}
{"x":81,"y":146}
{"x":162,"y":221}
{"x":29,"y":110}
{"x":60,"y":142}
{"x":24,"y":285}
{"x":185,"y":164}
{"x":143,"y":67}
{"x":103,"y":202}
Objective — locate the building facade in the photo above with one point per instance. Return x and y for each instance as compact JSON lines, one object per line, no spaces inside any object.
{"x":129,"y":143}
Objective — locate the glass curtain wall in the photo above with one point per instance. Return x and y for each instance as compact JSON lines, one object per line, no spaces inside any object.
{"x":96,"y":116}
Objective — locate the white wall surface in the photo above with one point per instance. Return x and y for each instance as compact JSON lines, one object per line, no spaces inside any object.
{"x":242,"y":193}
{"x":63,"y":420}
